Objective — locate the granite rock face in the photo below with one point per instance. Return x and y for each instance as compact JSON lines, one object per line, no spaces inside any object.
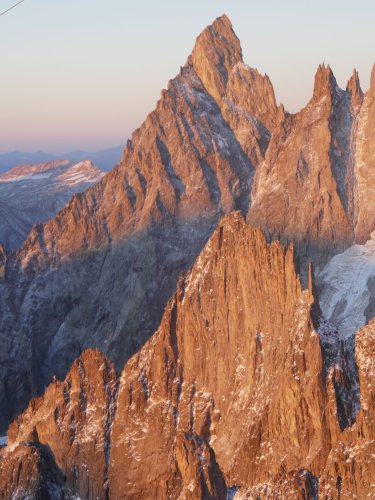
{"x":304,"y":188}
{"x":315,"y":184}
{"x":364,"y":165}
{"x":225,"y":363}
{"x":350,"y":466}
{"x":29,"y":471}
{"x":229,"y":392}
{"x":229,"y":396}
{"x":71,"y":421}
{"x":245,"y":388}
{"x":100,"y":273}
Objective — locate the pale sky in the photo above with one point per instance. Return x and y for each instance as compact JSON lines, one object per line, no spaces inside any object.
{"x":83,"y":74}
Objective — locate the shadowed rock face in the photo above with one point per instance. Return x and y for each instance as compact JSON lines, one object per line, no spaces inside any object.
{"x":29,"y":471}
{"x":350,"y":466}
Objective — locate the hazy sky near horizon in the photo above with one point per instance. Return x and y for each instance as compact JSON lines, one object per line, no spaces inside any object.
{"x":79,"y":74}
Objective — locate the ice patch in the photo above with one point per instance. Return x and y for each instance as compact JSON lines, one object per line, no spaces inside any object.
{"x":344,"y":281}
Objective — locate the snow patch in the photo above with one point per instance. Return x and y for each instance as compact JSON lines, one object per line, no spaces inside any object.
{"x":344,"y":281}
{"x":33,"y":177}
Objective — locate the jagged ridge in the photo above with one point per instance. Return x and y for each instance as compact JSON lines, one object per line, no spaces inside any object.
{"x":101,"y":272}
{"x":230,"y":391}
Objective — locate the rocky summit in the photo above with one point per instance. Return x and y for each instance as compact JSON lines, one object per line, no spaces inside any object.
{"x":199,"y":323}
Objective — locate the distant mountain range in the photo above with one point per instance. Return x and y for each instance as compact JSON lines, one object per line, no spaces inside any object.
{"x":105,"y":159}
{"x":35,"y":193}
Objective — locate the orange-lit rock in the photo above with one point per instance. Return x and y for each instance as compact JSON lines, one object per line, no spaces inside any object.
{"x":236,"y":392}
{"x":304,"y":189}
{"x":230,"y":390}
{"x":72,"y":419}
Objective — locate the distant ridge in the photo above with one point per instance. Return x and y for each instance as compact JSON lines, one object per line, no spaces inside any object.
{"x":105,"y":159}
{"x":35,"y":193}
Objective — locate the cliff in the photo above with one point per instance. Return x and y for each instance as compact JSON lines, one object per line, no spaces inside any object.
{"x":229,"y":392}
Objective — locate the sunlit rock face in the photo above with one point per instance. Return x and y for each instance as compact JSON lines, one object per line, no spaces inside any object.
{"x":225,"y":361}
{"x":304,"y":189}
{"x":69,"y":428}
{"x":242,"y":377}
{"x":229,"y":396}
{"x":100,"y":273}
{"x":203,"y":404}
{"x":364,"y":165}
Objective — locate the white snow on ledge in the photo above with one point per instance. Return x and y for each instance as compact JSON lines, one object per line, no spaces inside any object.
{"x":344,"y":295}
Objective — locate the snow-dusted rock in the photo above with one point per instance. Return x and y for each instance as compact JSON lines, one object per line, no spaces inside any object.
{"x":35,"y":193}
{"x":347,"y":288}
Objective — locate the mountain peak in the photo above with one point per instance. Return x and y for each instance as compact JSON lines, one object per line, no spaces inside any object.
{"x":222,"y":22}
{"x":325,"y":81}
{"x":217,"y":50}
{"x":353,"y":82}
{"x":354,"y":87}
